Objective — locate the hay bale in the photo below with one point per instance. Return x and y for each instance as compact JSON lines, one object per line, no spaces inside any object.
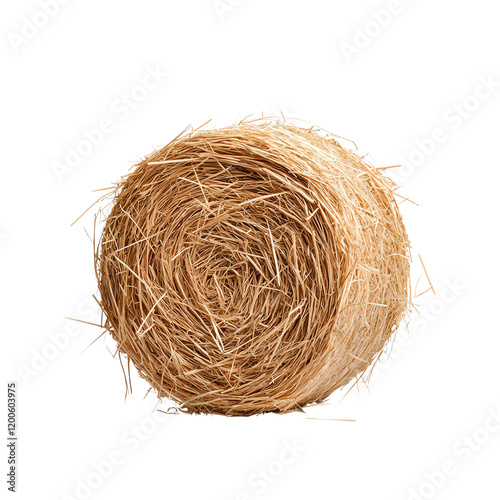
{"x":253,"y":268}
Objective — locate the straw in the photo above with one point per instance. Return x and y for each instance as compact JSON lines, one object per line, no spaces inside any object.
{"x":253,"y":268}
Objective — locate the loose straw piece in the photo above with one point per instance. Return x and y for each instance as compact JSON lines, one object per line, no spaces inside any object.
{"x":426,"y":275}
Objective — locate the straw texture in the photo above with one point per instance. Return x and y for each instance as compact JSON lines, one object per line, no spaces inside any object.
{"x":253,"y":268}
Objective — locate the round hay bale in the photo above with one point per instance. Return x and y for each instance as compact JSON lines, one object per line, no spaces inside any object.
{"x":253,"y":268}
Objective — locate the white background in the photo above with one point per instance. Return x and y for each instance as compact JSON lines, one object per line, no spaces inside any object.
{"x":421,"y":67}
